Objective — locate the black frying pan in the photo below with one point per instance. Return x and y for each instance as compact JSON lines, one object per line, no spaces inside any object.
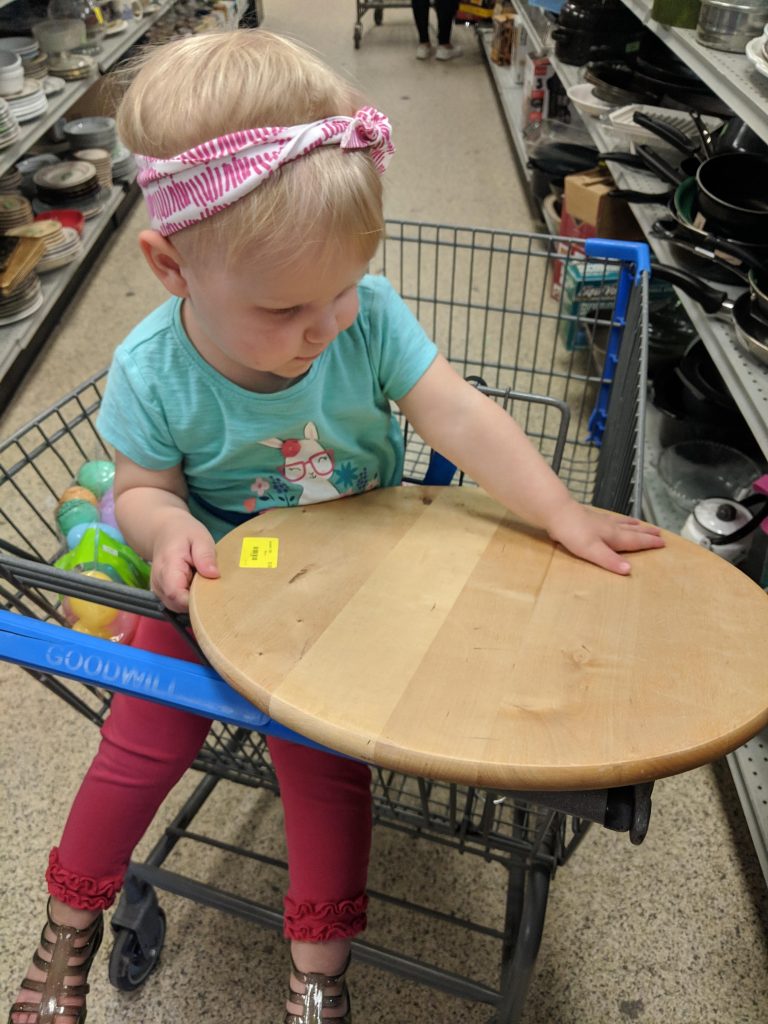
{"x":733,"y":194}
{"x":732,"y":188}
{"x":744,"y":313}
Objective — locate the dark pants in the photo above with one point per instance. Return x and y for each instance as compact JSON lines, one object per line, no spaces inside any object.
{"x":446,"y":12}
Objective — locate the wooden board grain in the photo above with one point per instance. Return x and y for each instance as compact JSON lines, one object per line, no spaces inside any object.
{"x":426,"y":630}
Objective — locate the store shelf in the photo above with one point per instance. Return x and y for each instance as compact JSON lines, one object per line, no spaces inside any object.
{"x":749,"y":770}
{"x":113,"y":47}
{"x":510,"y":96}
{"x":58,"y":105}
{"x":15,"y":337}
{"x":746,"y":379}
{"x":31,"y":131}
{"x":730,"y":75}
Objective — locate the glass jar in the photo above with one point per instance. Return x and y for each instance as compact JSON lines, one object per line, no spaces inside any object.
{"x":89,"y":12}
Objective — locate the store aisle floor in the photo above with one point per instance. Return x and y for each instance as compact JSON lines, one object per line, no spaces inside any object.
{"x":672,"y":932}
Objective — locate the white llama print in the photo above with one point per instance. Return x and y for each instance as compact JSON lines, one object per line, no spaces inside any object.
{"x":307,"y":465}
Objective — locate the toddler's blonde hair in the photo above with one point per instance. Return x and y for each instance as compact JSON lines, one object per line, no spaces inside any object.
{"x":197,"y":88}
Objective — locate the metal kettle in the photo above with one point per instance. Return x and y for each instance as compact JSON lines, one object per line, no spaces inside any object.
{"x":726,"y":526}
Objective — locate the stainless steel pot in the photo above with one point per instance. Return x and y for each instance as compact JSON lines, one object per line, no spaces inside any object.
{"x":730,"y":26}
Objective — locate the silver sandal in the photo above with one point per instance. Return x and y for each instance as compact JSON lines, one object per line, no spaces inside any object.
{"x":314,"y":1000}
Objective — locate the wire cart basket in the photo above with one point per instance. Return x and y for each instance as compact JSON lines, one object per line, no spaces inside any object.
{"x":377,"y":6}
{"x":558,"y":337}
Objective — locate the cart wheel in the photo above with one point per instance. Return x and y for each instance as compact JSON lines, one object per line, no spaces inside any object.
{"x":378,"y":15}
{"x":129,"y":964}
{"x":358,"y":36}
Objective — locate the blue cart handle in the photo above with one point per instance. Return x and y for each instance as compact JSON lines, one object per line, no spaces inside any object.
{"x":635,"y":260}
{"x":636,"y":253}
{"x":47,"y":647}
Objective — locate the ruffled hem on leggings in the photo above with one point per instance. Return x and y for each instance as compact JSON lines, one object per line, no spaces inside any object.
{"x":320,"y":922}
{"x":80,"y":891}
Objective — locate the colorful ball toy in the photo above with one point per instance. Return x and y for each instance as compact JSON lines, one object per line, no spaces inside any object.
{"x":97,"y":476}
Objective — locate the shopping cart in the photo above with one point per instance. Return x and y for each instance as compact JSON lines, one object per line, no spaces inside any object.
{"x":520,"y":315}
{"x":377,"y":6}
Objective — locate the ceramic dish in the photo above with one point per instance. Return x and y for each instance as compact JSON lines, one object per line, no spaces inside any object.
{"x":69,"y":175}
{"x":53,"y":85}
{"x":25,"y":46}
{"x":114,"y":28}
{"x":67,"y":218}
{"x":583,"y":98}
{"x":756,"y":53}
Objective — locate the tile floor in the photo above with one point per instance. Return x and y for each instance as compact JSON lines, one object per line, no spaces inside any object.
{"x":672,"y":932}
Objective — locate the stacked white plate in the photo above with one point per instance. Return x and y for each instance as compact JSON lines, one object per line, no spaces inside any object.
{"x":71,"y":66}
{"x":30,"y":103}
{"x":36,"y":67}
{"x":11,"y":181}
{"x":123,"y":163}
{"x":9,"y":126}
{"x":26,"y":46}
{"x":62,"y":245}
{"x":101,"y":160}
{"x":22,"y":302}
{"x":91,"y":133}
{"x":69,"y":185}
{"x":15,"y":210}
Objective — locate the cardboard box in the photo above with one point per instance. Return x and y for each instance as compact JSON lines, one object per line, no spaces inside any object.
{"x":536,"y":74}
{"x":502,"y":38}
{"x":478,"y":11}
{"x":589,"y":211}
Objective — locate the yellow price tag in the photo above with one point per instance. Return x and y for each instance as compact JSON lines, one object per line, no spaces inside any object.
{"x":259,"y":553}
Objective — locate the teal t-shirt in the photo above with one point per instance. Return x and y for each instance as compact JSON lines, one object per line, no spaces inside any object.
{"x":330,"y":434}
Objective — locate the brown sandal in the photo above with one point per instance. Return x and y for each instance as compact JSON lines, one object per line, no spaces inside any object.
{"x":52,"y":990}
{"x":314,"y":1000}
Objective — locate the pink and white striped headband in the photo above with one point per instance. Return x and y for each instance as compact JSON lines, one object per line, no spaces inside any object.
{"x":192,"y":186}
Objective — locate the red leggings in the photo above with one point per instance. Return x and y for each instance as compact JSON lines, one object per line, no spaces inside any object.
{"x":144,"y":751}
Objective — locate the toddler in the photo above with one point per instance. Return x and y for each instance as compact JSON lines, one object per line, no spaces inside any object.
{"x":272,"y":364}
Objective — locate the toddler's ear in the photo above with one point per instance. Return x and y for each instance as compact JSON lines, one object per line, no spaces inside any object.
{"x":164,"y":262}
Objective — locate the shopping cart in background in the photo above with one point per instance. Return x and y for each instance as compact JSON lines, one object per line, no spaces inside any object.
{"x":378,"y":7}
{"x":519,"y":315}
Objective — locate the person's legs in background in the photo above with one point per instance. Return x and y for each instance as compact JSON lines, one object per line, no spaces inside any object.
{"x":421,"y":17}
{"x":446,"y":14}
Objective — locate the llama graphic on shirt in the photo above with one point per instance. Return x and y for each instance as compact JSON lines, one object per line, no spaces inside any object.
{"x":307,"y":465}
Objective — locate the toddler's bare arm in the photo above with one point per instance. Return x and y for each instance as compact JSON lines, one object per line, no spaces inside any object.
{"x":152,"y":511}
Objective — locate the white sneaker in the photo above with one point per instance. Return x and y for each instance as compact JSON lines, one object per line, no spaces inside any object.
{"x":423,"y":51}
{"x":448,"y":52}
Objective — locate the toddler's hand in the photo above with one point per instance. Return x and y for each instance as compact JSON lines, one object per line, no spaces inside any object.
{"x":179,"y":552}
{"x":597,"y":537}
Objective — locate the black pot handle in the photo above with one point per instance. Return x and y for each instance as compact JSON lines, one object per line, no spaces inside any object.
{"x":632,"y":196}
{"x":747,"y":528}
{"x":710,"y":299}
{"x":656,"y":163}
{"x":667,"y":132}
{"x":627,"y":159}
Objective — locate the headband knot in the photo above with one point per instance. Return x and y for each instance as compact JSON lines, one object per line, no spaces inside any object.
{"x":370,"y":129}
{"x":185,"y":189}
